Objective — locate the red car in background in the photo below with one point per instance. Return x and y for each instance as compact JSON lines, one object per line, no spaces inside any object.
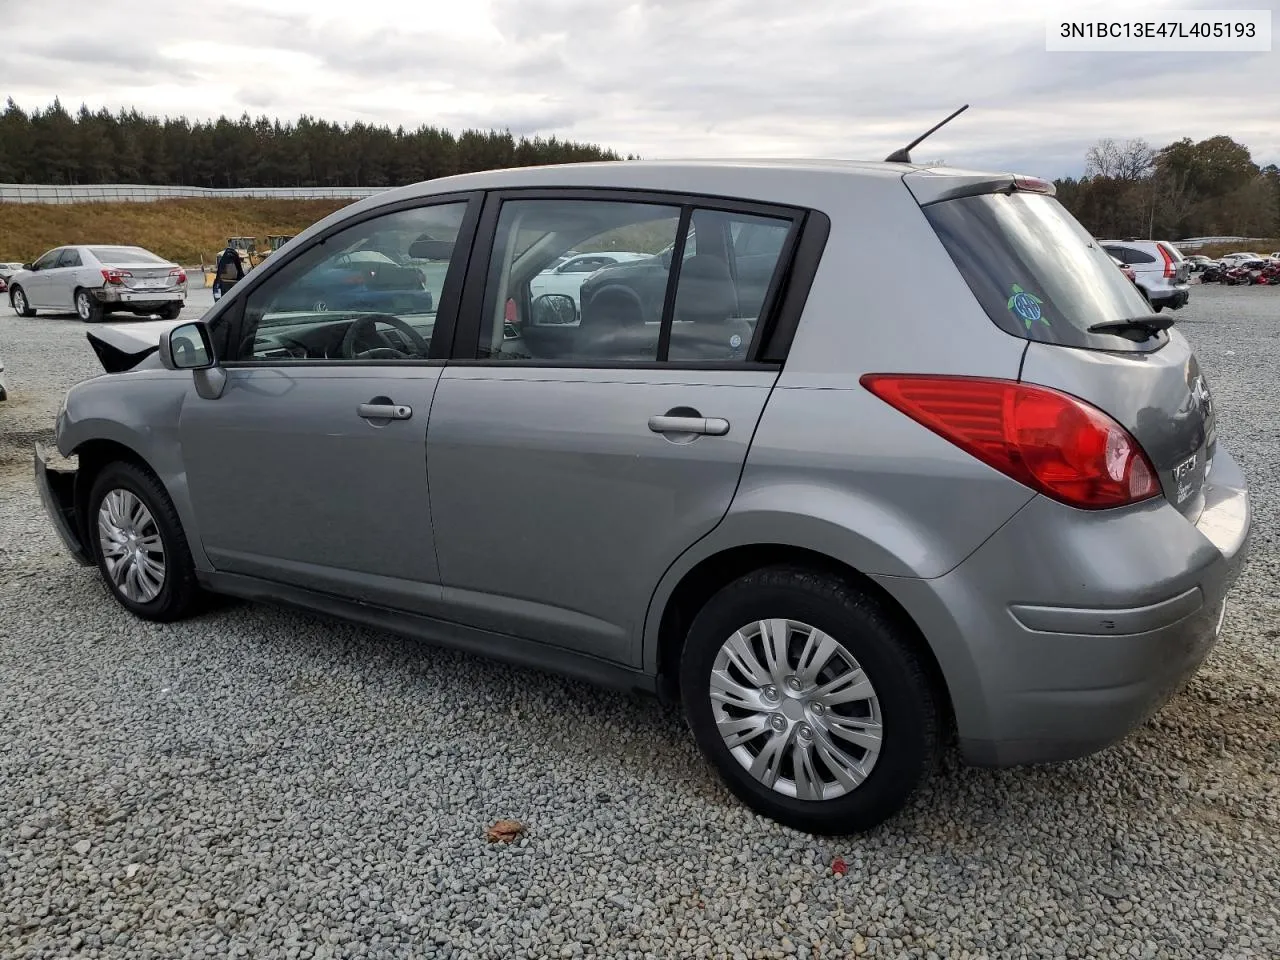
{"x":1125,"y":269}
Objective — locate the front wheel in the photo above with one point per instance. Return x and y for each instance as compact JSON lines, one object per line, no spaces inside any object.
{"x":21,"y":306}
{"x":88,"y":308}
{"x":139,"y":545}
{"x":811,"y":700}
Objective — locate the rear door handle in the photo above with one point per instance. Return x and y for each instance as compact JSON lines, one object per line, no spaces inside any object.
{"x":707,"y":426}
{"x":384,"y":411}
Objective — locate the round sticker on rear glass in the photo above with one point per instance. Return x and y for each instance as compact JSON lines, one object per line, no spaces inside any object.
{"x":1027,"y":306}
{"x":735,"y":341}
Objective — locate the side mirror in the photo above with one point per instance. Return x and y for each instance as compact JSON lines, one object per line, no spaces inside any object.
{"x":554,"y":310}
{"x":28,"y":266}
{"x":187,"y":347}
{"x":666,"y":258}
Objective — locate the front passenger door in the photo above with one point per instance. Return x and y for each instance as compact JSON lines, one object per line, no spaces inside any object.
{"x":36,"y":285}
{"x":310,"y":468}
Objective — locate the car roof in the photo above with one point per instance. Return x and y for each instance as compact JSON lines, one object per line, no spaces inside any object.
{"x":802,"y":182}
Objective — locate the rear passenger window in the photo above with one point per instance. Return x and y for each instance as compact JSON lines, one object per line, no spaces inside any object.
{"x":69,"y":258}
{"x":613,"y":313}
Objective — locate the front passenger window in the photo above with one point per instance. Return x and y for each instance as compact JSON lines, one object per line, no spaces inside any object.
{"x":369,"y":292}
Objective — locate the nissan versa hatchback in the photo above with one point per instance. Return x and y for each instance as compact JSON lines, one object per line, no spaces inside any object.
{"x":842,"y":522}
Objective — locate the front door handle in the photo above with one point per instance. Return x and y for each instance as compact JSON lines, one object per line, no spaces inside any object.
{"x":706,"y":426}
{"x":384,"y":411}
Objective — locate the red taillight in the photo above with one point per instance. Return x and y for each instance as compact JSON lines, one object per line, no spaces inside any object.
{"x":1050,"y":441}
{"x":179,"y":275}
{"x":115,"y":276}
{"x":1169,"y":267}
{"x":510,"y":314}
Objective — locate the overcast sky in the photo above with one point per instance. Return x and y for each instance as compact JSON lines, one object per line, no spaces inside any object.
{"x":661,"y":78}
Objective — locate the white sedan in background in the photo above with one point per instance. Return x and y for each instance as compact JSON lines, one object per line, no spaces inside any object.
{"x":94,"y":280}
{"x":568,"y":276}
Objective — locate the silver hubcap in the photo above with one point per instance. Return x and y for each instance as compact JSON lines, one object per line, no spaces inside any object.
{"x":82,"y":306}
{"x":796,"y":710}
{"x":132,"y":550}
{"x":20,"y":302}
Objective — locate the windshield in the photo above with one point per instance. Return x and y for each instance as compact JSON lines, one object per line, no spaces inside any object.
{"x":1037,"y":272}
{"x":114,"y":255}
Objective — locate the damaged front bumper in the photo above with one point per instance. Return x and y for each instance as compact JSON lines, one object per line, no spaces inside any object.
{"x":58,"y":494}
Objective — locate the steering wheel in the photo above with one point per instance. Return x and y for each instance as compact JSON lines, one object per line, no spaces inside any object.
{"x":366,"y":324}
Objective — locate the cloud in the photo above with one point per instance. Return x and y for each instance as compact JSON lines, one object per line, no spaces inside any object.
{"x":663,"y":78}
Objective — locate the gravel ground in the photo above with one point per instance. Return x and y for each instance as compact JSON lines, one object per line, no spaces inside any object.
{"x":265,"y":783}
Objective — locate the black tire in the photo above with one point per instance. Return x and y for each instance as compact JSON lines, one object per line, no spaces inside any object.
{"x":88,"y":308}
{"x":171,"y":311}
{"x":909,"y":706}
{"x":179,"y":595}
{"x":19,"y":296}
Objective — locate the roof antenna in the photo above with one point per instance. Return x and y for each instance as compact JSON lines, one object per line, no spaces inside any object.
{"x":904,"y":155}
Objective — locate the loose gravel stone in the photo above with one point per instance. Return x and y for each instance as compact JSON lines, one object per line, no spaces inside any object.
{"x":265,"y":783}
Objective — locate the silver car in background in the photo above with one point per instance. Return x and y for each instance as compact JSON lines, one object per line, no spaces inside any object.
{"x":1161,"y":270}
{"x":95,"y":280}
{"x":838,"y":529}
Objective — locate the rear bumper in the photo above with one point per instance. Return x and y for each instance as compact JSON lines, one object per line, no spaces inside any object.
{"x":1067,"y":629}
{"x":57,"y":493}
{"x":1174,"y":297}
{"x":140,"y":298}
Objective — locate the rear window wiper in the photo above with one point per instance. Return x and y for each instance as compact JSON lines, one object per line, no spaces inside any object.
{"x":1149,"y":325}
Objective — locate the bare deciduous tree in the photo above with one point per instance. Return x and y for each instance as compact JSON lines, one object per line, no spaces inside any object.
{"x":1103,"y":159}
{"x":1131,"y":160}
{"x":1135,"y":159}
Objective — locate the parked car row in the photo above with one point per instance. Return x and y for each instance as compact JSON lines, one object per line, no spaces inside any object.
{"x":94,"y":281}
{"x":1262,"y":271}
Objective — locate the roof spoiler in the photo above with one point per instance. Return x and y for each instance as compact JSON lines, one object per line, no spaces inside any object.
{"x":935,"y":186}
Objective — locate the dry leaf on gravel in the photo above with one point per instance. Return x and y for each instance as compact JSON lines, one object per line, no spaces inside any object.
{"x":504,"y":831}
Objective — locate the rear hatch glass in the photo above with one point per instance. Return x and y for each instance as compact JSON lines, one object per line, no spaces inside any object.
{"x":1040,"y":275}
{"x":119,"y":256}
{"x":1037,"y":272}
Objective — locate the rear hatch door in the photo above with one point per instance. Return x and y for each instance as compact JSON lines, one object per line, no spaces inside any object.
{"x":1041,"y":276}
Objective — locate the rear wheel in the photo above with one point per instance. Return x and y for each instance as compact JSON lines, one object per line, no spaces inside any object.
{"x":171,"y":311}
{"x":139,"y":545}
{"x":88,"y":308}
{"x":810,"y":700}
{"x":20,"y":304}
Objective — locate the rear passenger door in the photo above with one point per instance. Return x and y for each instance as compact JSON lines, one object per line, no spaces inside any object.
{"x":567,"y":474}
{"x":63,"y":278}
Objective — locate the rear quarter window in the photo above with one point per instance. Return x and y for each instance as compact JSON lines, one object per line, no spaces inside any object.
{"x":1036,"y":271}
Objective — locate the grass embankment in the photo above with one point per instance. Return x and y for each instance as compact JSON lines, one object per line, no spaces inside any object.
{"x":179,"y":230}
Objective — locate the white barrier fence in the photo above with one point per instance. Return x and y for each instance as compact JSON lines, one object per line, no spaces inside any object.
{"x":139,"y":193}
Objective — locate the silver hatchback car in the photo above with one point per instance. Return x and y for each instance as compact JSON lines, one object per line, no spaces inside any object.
{"x":840,"y":519}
